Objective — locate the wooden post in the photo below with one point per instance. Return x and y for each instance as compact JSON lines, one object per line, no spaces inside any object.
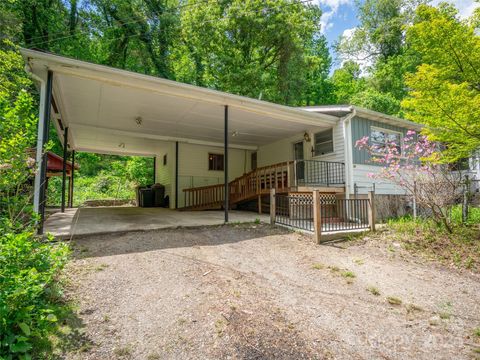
{"x":260,"y":204}
{"x":317,"y":216}
{"x":272,"y":206}
{"x":415,"y":200}
{"x":371,"y":210}
{"x":466,"y":188}
{"x":288,"y":174}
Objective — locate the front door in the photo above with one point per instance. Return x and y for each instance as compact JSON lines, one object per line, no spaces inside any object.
{"x":298,"y":155}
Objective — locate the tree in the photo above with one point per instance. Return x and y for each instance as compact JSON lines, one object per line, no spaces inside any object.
{"x":263,"y":49}
{"x":379,"y":42}
{"x":347,"y":82}
{"x":445,"y":89}
{"x":137,"y":36}
{"x":17,"y":136}
{"x":416,"y":167}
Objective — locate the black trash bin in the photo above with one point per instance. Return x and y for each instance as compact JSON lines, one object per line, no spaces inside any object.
{"x":137,"y":194}
{"x":159,"y":195}
{"x":146,"y":197}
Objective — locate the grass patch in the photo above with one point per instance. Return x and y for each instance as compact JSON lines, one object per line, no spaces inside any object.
{"x":348,"y":274}
{"x":123,"y":351}
{"x":101,"y":267}
{"x":334,"y":268}
{"x":373,"y":290}
{"x":461,"y":249}
{"x":318,"y":266}
{"x":476,"y":332}
{"x":153,"y":357}
{"x":446,"y":311}
{"x":445,"y":315}
{"x":392,"y":300}
{"x":412,"y":308}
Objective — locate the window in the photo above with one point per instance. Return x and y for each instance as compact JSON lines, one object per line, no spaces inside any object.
{"x":215,"y":162}
{"x":164,"y":159}
{"x":324,"y":142}
{"x":380,"y":139}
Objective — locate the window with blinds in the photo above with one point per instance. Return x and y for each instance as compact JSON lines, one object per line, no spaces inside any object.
{"x":324,"y":142}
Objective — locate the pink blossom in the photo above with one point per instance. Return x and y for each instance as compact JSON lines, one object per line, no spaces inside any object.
{"x":362,"y":143}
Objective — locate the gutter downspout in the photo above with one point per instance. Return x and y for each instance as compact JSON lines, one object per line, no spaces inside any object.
{"x":347,"y":135}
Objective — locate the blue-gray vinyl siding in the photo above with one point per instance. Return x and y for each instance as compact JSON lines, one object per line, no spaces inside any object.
{"x":360,"y":128}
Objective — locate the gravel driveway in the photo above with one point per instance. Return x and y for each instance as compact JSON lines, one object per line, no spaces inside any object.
{"x":257,"y":292}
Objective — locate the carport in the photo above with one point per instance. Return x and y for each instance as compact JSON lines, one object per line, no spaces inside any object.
{"x":100,"y":109}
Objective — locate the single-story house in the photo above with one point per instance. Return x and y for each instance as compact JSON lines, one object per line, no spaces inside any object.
{"x":206,"y":142}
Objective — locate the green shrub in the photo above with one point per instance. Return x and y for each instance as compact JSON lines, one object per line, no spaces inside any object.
{"x":473,"y":215}
{"x":29,"y":293}
{"x":97,"y":187}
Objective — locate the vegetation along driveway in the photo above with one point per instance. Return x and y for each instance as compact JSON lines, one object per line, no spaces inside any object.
{"x":256,"y":292}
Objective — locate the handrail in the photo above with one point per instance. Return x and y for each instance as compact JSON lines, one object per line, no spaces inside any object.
{"x":281,"y":176}
{"x":204,"y":196}
{"x":203,"y":187}
{"x":319,"y":173}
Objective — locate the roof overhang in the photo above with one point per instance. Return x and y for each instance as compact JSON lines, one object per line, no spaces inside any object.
{"x":109,"y":110}
{"x":343,"y":110}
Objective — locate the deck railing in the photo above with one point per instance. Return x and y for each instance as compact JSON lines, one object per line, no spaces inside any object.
{"x":205,"y":196}
{"x":282,"y":177}
{"x":260,"y":180}
{"x":337,"y":214}
{"x":319,"y":173}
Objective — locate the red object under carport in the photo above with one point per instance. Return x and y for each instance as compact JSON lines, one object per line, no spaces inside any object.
{"x":55,"y":165}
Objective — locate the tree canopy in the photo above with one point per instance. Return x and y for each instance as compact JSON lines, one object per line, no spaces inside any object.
{"x":444,"y":92}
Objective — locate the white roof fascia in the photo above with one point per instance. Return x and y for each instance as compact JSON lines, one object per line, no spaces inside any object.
{"x":369,"y":114}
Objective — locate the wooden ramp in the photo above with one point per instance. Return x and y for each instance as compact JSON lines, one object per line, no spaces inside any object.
{"x":250,"y":186}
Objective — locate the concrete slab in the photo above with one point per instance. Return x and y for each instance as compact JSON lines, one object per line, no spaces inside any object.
{"x":101,"y":220}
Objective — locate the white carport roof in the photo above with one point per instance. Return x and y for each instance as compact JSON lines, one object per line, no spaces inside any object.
{"x":101,"y":106}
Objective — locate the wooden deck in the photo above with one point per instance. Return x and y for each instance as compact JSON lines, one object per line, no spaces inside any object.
{"x":251,"y":186}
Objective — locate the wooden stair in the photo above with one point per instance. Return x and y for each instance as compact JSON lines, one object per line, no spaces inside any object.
{"x":249,"y":186}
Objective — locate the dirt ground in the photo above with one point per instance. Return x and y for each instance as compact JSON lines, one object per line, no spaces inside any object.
{"x":257,"y":292}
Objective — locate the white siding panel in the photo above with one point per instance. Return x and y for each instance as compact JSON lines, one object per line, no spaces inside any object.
{"x":365,"y":183}
{"x":282,"y":150}
{"x":279,"y":151}
{"x":193,"y":167}
{"x":166,"y":173}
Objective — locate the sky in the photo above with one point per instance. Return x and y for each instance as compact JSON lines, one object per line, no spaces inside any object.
{"x":339,"y":17}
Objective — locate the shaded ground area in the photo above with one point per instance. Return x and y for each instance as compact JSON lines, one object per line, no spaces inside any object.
{"x":256,"y":292}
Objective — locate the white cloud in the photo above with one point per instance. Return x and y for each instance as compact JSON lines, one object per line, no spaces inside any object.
{"x":330,"y":8}
{"x":465,"y":7}
{"x":362,"y":58}
{"x":348,"y":33}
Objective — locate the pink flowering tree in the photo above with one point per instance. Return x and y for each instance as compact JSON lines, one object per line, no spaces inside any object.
{"x":416,"y":166}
